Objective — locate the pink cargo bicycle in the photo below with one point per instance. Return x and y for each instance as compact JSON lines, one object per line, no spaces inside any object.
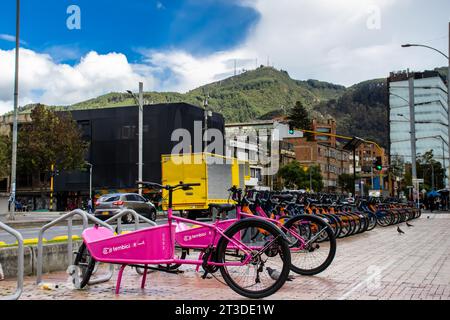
{"x":254,"y":267}
{"x":311,"y":239}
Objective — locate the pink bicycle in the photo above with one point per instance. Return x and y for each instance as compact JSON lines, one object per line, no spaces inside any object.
{"x":254,"y":267}
{"x":311,"y":239}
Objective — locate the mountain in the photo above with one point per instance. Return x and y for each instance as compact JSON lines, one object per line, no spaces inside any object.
{"x":254,"y":94}
{"x":248,"y":96}
{"x":361,"y":111}
{"x":267,"y":93}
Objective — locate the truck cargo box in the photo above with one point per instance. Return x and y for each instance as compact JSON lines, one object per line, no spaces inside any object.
{"x":215,"y":173}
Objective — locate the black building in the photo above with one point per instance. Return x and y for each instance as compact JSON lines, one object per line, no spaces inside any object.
{"x":113,"y":139}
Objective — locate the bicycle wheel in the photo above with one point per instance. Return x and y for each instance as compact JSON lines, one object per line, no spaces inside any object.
{"x":86,"y":264}
{"x":347,"y":226}
{"x":269,"y":266}
{"x":312,"y":254}
{"x":372,"y":221}
{"x":384,"y":218}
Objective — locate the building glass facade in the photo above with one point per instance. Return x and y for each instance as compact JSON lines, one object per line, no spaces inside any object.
{"x":431,"y":116}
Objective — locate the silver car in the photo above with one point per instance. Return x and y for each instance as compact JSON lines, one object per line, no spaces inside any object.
{"x":111,"y":204}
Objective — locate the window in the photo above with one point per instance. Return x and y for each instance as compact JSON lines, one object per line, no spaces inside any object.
{"x":109,"y":198}
{"x":139,"y":198}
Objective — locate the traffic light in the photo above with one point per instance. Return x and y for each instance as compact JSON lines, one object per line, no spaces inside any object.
{"x":378,"y":164}
{"x":291,"y":129}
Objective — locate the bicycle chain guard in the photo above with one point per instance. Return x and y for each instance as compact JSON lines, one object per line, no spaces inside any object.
{"x":208,"y":268}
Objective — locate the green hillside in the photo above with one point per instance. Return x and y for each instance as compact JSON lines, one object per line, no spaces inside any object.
{"x":361,"y":111}
{"x":255,"y":93}
{"x":251,"y":95}
{"x":266,"y":93}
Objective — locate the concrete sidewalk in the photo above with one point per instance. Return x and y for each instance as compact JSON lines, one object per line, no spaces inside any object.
{"x":33,"y":219}
{"x":376,"y":265}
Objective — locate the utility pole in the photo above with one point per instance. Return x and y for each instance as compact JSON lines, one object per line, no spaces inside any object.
{"x":412,"y":120}
{"x":205,"y":126}
{"x":90,"y":179}
{"x":372,"y":178}
{"x":354,"y":172}
{"x":52,"y":181}
{"x":16,"y":106}
{"x":432,"y":177}
{"x":141,"y":133}
{"x":310,"y":179}
{"x":448,"y":104}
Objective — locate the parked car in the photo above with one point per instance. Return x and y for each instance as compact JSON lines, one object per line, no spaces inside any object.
{"x":111,"y":204}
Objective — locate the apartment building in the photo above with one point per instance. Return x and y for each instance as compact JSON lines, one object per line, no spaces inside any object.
{"x":332,"y":159}
{"x":261,"y":144}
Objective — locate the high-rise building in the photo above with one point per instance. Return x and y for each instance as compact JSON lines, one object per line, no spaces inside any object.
{"x":430,"y":111}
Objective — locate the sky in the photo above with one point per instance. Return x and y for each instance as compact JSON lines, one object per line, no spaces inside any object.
{"x":73,"y":50}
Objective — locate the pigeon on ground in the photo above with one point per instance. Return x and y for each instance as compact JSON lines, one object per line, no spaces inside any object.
{"x":409,"y":225}
{"x":275,"y":275}
{"x":400,"y":230}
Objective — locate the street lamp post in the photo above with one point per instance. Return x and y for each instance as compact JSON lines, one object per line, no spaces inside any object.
{"x":140,"y":103}
{"x":16,"y":105}
{"x":413,"y":135}
{"x":448,"y":77}
{"x":90,"y":179}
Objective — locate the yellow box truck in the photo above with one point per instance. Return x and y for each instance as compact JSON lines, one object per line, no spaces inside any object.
{"x":216,"y":174}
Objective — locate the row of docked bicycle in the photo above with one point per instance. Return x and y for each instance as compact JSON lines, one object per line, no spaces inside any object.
{"x":346,"y":219}
{"x":253,"y":252}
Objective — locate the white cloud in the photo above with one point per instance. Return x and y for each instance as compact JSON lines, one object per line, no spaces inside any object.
{"x":323,"y":39}
{"x":43,"y":80}
{"x":7,"y":37}
{"x":10,"y":38}
{"x":186,"y":72}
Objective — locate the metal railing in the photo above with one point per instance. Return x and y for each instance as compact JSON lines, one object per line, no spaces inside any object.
{"x":86,"y":217}
{"x":137,"y":217}
{"x":20,"y":263}
{"x":69,"y":217}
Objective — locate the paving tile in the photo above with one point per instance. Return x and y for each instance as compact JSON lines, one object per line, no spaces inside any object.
{"x":415,"y":266}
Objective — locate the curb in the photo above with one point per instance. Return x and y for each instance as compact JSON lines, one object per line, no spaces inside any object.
{"x":39,"y":223}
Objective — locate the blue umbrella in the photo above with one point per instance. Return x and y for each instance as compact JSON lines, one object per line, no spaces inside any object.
{"x":433,"y":194}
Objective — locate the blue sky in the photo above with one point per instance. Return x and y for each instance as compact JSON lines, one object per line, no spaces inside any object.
{"x":198,"y":26}
{"x":179,"y":45}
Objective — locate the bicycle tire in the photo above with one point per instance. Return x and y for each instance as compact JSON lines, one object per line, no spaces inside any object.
{"x":330,"y":238}
{"x":284,"y":254}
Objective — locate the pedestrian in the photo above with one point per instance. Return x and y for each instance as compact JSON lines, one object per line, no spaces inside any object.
{"x":426,"y":203}
{"x":89,"y":205}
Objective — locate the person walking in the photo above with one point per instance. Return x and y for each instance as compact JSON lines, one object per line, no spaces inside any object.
{"x":89,"y":206}
{"x":432,"y":204}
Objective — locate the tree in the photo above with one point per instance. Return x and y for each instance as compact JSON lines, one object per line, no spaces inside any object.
{"x":299,"y":118}
{"x":345,"y":181}
{"x":427,"y":166}
{"x":5,"y":156}
{"x":49,"y":139}
{"x":397,"y":166}
{"x":316,"y":176}
{"x":297,"y":177}
{"x":291,"y":174}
